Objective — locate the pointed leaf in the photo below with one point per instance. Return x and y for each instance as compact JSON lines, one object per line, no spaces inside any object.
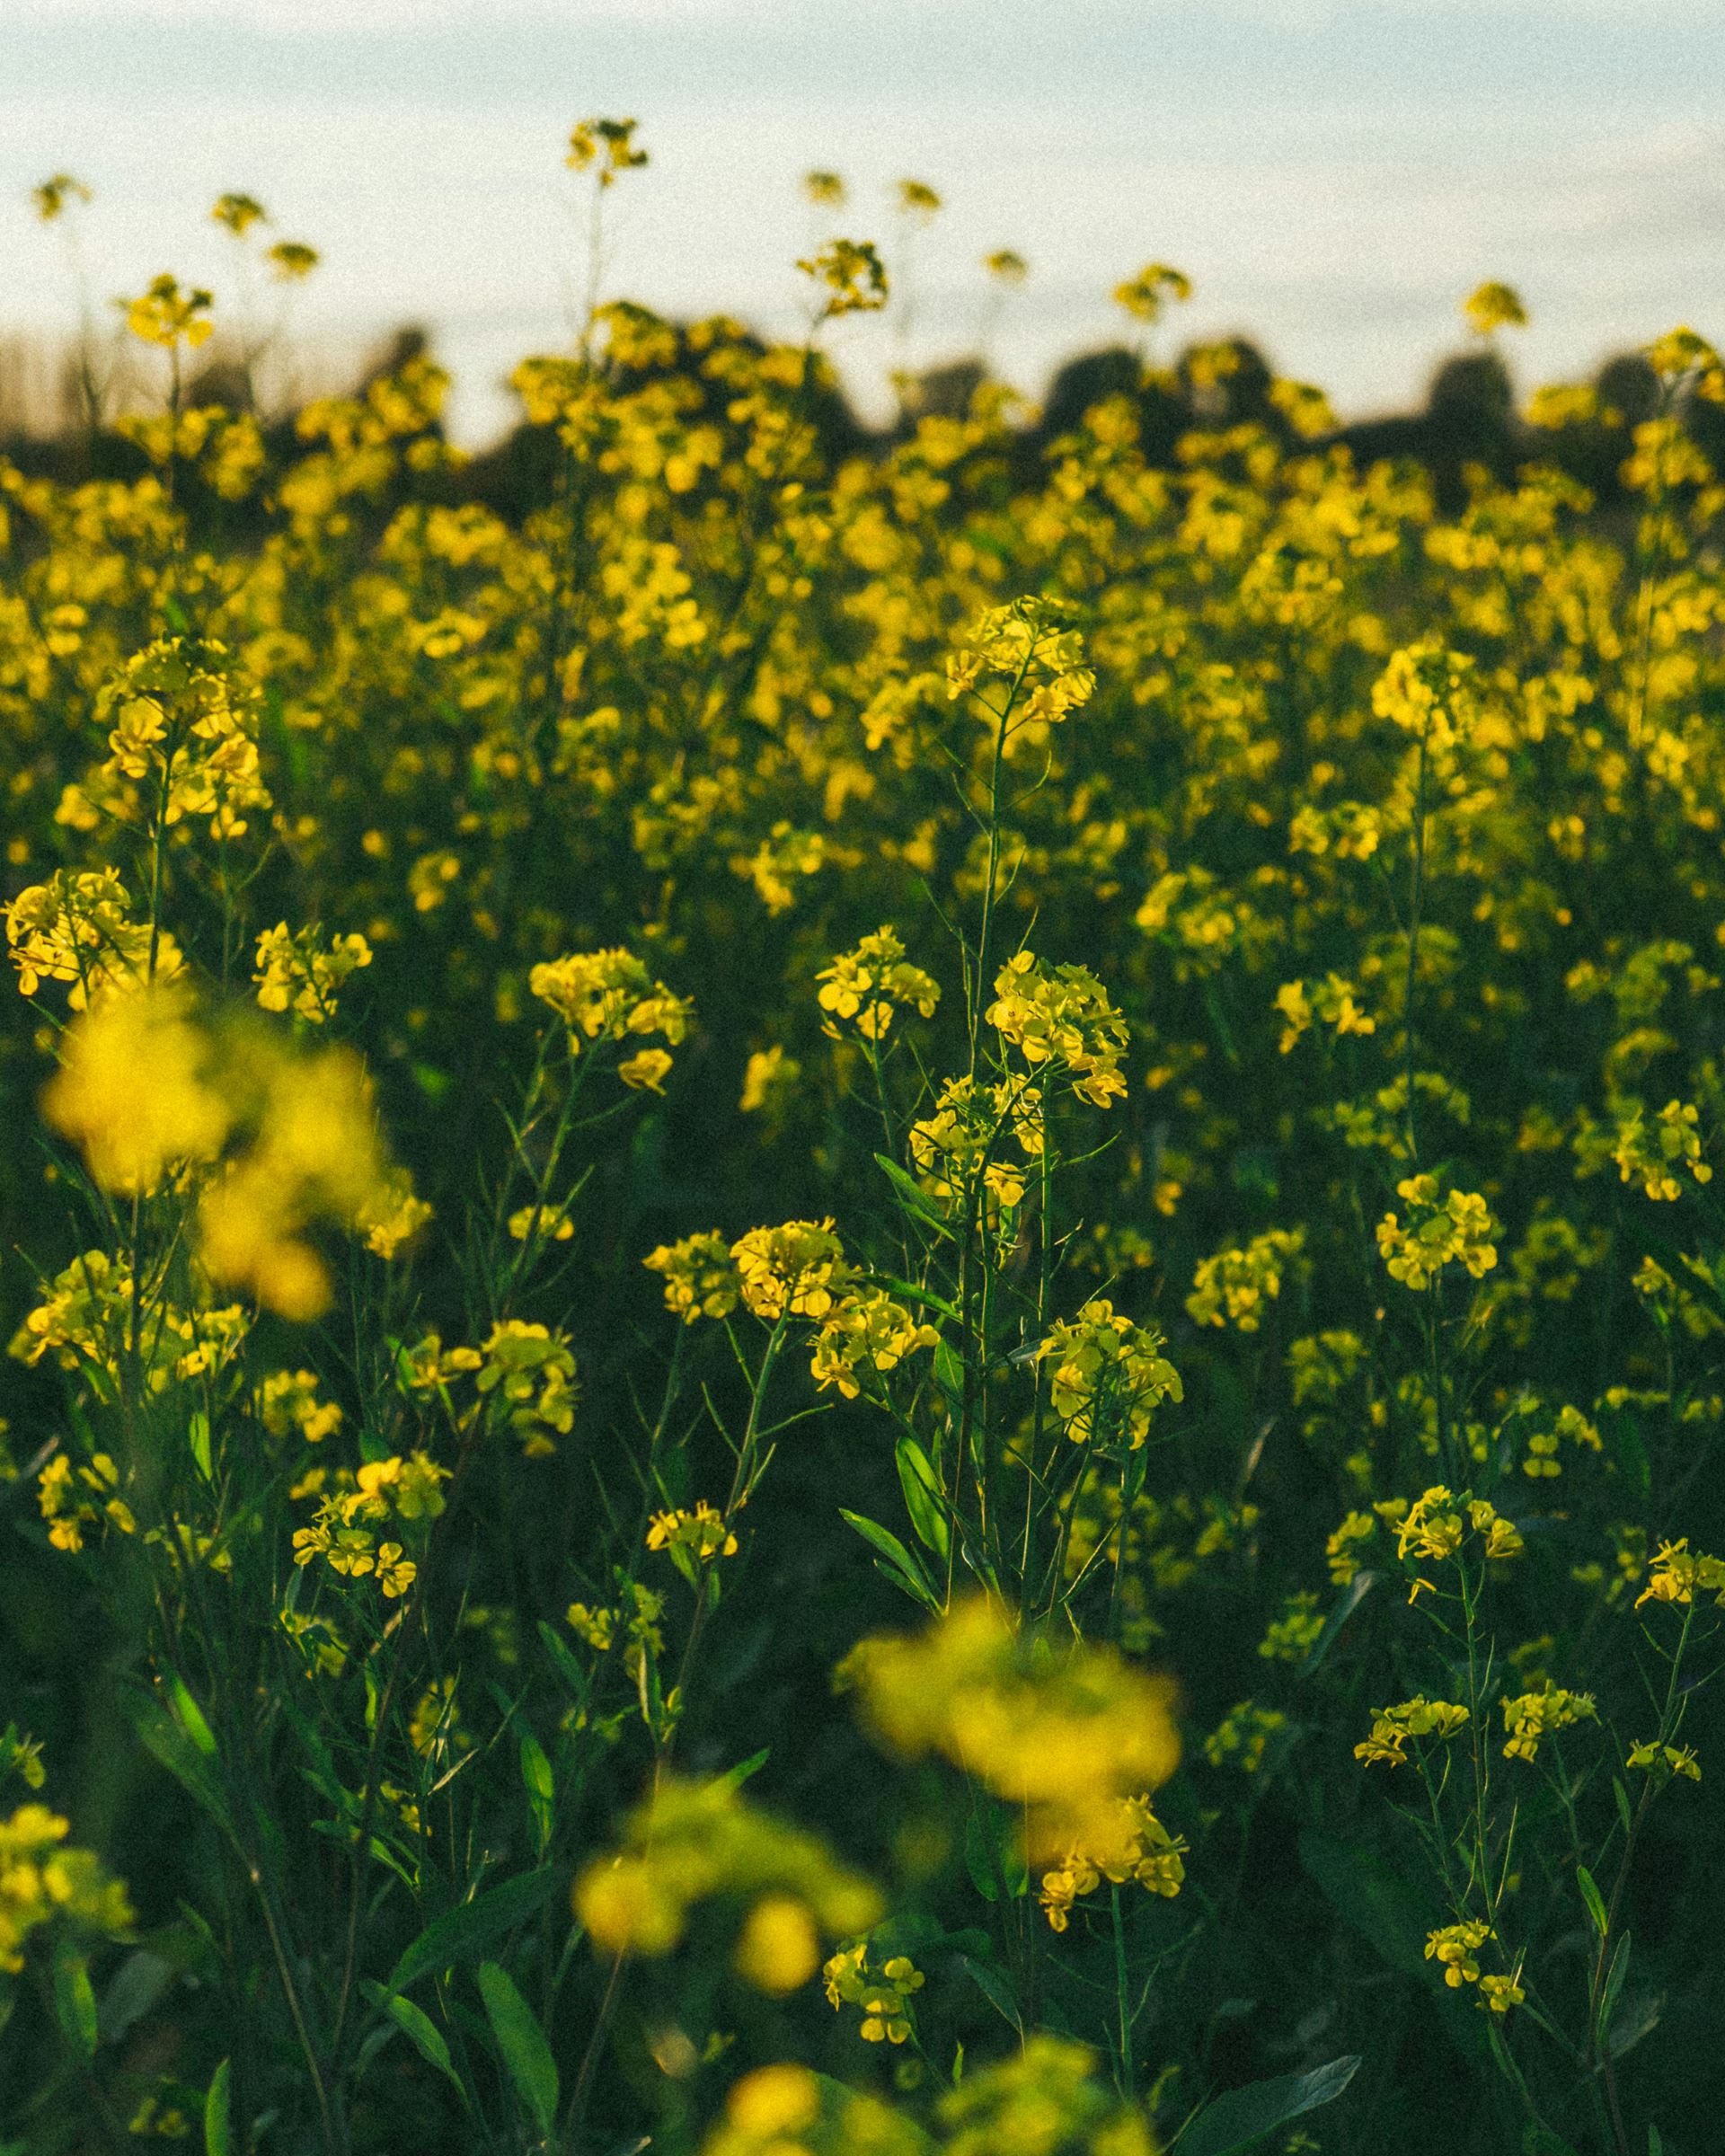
{"x":1592,"y":1896}
{"x":888,"y":1544}
{"x":921,"y":1486}
{"x":1245,"y":2116}
{"x":521,"y":2045}
{"x":458,"y":1936}
{"x":74,"y":2004}
{"x":421,"y":2032}
{"x":218,"y":2113}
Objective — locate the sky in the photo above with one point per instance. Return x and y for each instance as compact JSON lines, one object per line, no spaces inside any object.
{"x":1335,"y":175}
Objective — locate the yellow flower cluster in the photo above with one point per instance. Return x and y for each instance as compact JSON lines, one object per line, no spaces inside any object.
{"x":1061,"y":1017}
{"x":882,"y":1995}
{"x":1233,"y":1287}
{"x":1062,"y":1737}
{"x":1453,"y":1229}
{"x":1436,"y":1524}
{"x":1108,"y":1376}
{"x":288,"y":1401}
{"x":1243,"y":1735}
{"x":795,"y":1270}
{"x":610,"y":995}
{"x":1394,"y":1727}
{"x":700,"y":1274}
{"x":695,"y":1842}
{"x":1028,"y":645}
{"x":530,"y":1372}
{"x":294,"y":971}
{"x":696,"y":1535}
{"x":1456,"y":1948}
{"x":866,"y":1334}
{"x":182,"y":742}
{"x":1677,"y":1574}
{"x":1427,"y":691}
{"x":1048,"y":2096}
{"x":78,"y":928}
{"x":1535,"y":1715}
{"x":84,"y":1321}
{"x":789,"y":2110}
{"x":1653,"y":1157}
{"x":290,"y":1141}
{"x":1138,"y":1848}
{"x":68,"y":1512}
{"x":1663,"y":1762}
{"x":865,"y":987}
{"x":956,"y":1142}
{"x":344,"y":1529}
{"x":43,"y":1882}
{"x":1332,"y":1001}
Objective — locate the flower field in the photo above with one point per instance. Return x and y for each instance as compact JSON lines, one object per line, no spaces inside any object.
{"x":864,"y":1293}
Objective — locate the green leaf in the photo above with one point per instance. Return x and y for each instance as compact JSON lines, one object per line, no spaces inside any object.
{"x":733,"y":1778}
{"x":911,"y":1194}
{"x":74,"y":2004}
{"x":198,"y":1433}
{"x":1368,"y":1895}
{"x":1655,"y":2146}
{"x":541,"y":1785}
{"x":189,"y":1715}
{"x":949,"y":1372}
{"x":922,"y":1500}
{"x":568,"y":1668}
{"x":1639,"y":2016}
{"x":1355,"y":1592}
{"x":460,"y":1934}
{"x":1245,"y":2116}
{"x":1615,"y":1977}
{"x":219,"y":2112}
{"x":1595,"y":1900}
{"x":169,"y":1746}
{"x":1624,"y":1812}
{"x":421,"y":2032}
{"x":888,"y":1544}
{"x":994,"y":1988}
{"x":521,"y":2045}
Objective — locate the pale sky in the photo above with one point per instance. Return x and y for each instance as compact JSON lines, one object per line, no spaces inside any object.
{"x":1335,"y":175}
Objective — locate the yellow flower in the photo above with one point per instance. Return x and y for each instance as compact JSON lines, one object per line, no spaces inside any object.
{"x":1494,"y":306}
{"x":698,"y":1535}
{"x":1143,"y":296}
{"x":608,"y":144}
{"x":865,"y":1335}
{"x":133,"y":1090}
{"x":701,"y":1276}
{"x":1455,"y":1947}
{"x":791,"y":1270}
{"x":167,"y":315}
{"x":866,"y":985}
{"x":1108,"y":1376}
{"x":881,"y":1993}
{"x":779,"y":1948}
{"x":691,"y":1841}
{"x":293,"y":972}
{"x":1393,"y":1727}
{"x":1535,"y":1715}
{"x":850,"y":276}
{"x":1061,"y":1737}
{"x":43,"y":1882}
{"x":1233,"y":1287}
{"x":1456,"y":1229}
{"x":1061,"y":1017}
